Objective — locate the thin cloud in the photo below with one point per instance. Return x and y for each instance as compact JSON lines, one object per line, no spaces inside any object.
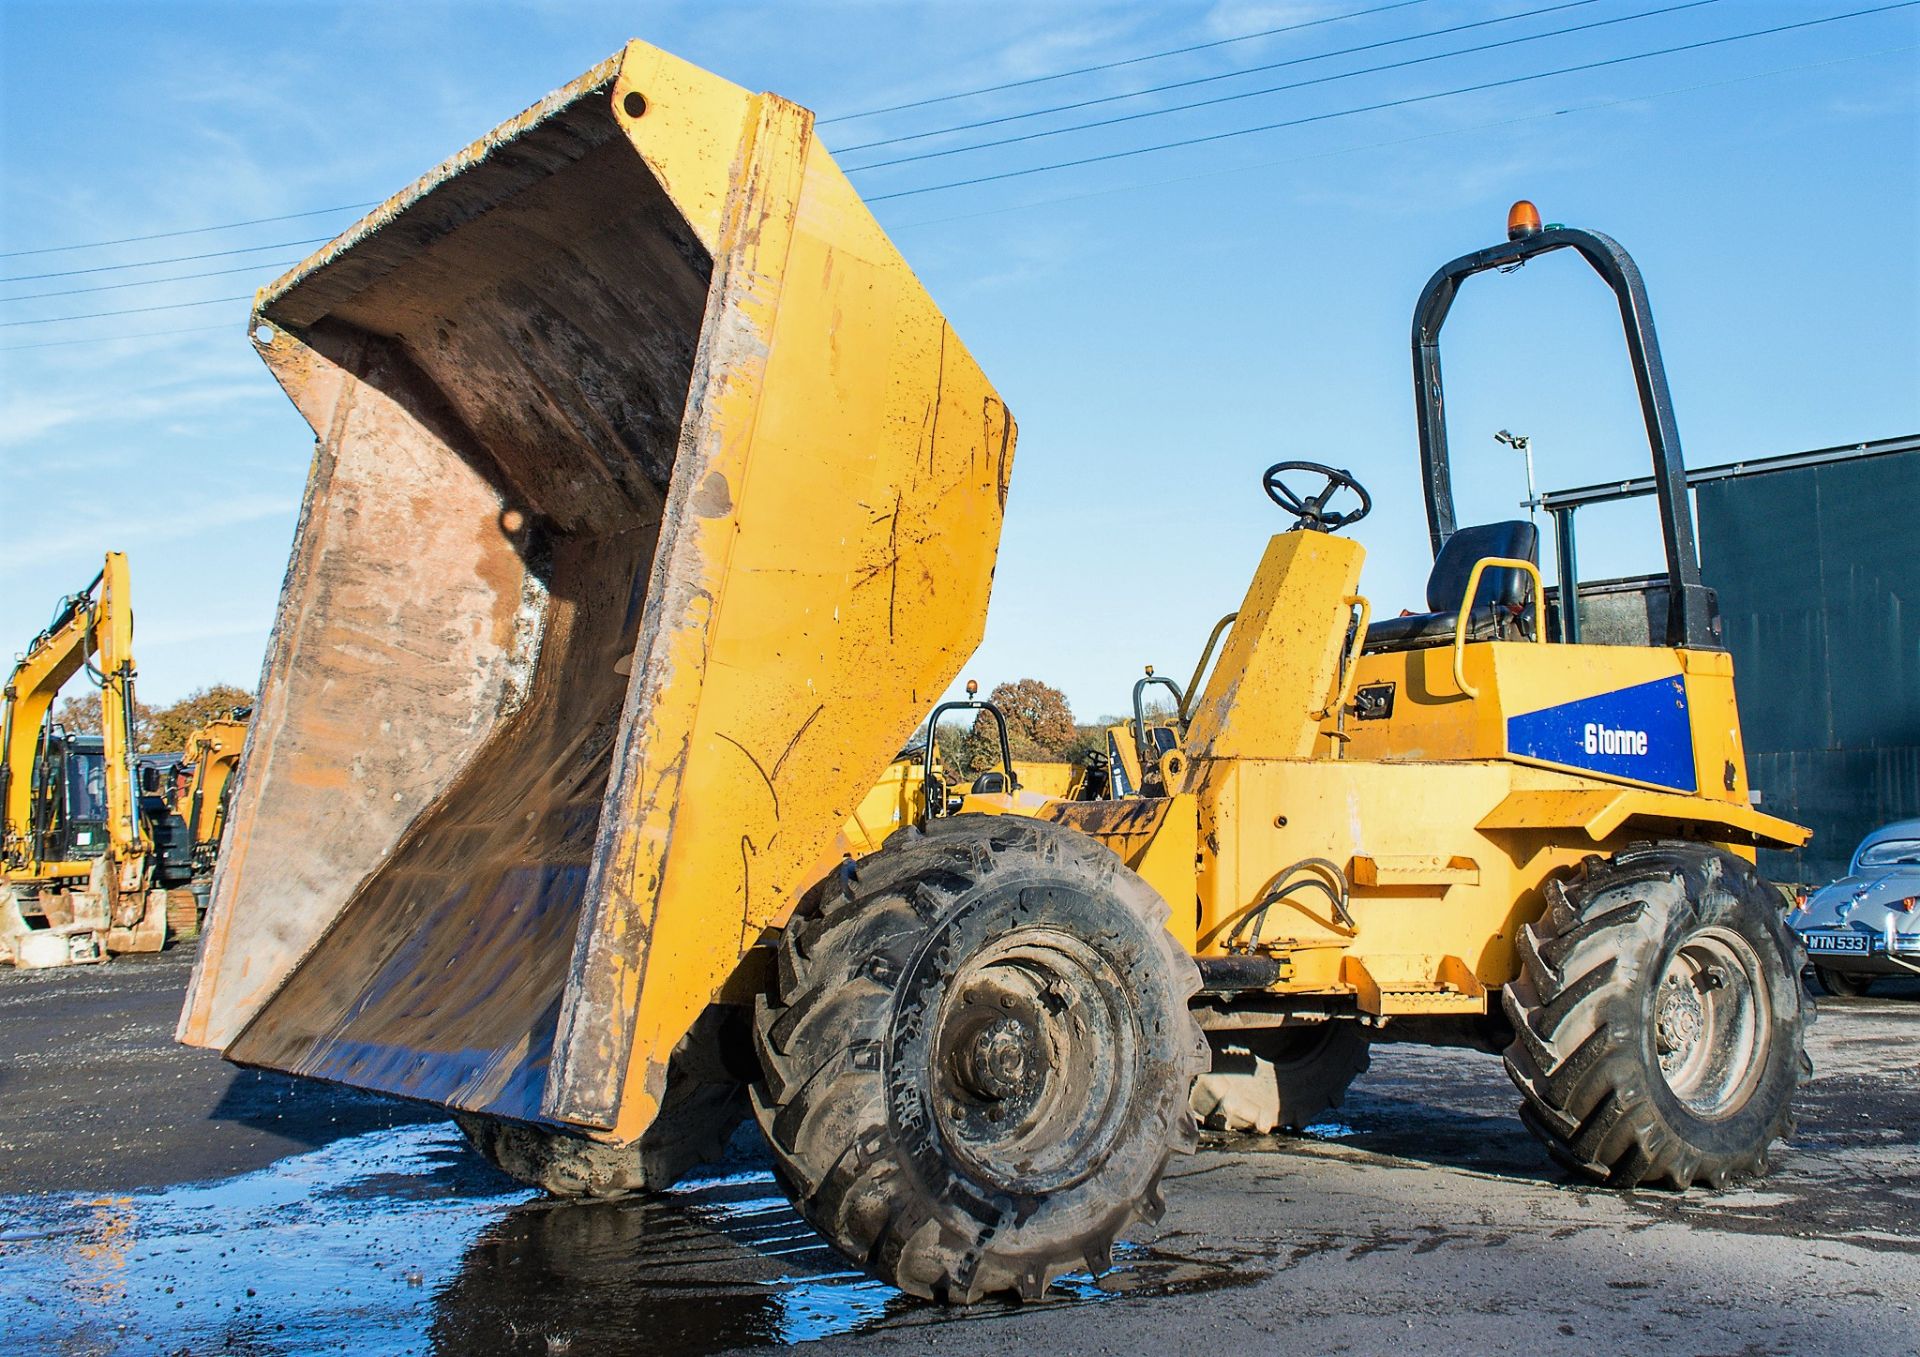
{"x":27,"y":420}
{"x":82,"y":530}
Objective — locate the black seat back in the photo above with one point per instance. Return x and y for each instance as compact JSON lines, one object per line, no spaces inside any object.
{"x":1507,"y":588}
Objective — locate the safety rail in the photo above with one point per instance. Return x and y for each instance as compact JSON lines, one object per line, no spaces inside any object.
{"x":1465,"y":618}
{"x":1200,"y":669}
{"x":1349,"y":672}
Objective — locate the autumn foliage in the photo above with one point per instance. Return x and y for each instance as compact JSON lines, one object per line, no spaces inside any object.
{"x":158,"y":729}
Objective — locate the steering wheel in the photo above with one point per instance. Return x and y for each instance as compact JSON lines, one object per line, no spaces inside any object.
{"x":1310,"y":511}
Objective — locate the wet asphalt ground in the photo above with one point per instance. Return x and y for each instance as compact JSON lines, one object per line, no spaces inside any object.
{"x":153,"y":1199}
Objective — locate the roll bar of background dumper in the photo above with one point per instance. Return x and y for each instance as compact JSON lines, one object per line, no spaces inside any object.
{"x":1689,"y":616}
{"x":1140,"y":687}
{"x":935,"y":794}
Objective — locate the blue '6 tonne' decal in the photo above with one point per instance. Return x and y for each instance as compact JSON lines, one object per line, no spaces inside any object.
{"x":1640,"y":732}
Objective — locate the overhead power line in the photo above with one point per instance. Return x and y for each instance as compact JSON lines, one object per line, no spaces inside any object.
{"x":1211,"y":79}
{"x":1281,"y":89}
{"x":1116,"y":65}
{"x":1336,"y":152}
{"x":150,"y":282}
{"x":1182,"y":179}
{"x":175,"y":259}
{"x":1163,"y":146}
{"x":1388,"y":103}
{"x":129,"y":311}
{"x":117,"y":339}
{"x":190,"y":231}
{"x":843,"y":117}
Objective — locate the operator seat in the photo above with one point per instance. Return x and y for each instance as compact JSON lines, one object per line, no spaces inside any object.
{"x":1501,"y":606}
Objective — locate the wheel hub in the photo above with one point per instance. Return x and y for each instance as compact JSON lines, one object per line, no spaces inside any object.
{"x":1711,"y":1022}
{"x":1034,"y":1062}
{"x":1681,"y":1017}
{"x":994,"y":1064}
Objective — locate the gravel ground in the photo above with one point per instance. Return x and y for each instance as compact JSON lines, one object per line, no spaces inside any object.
{"x":153,"y":1199}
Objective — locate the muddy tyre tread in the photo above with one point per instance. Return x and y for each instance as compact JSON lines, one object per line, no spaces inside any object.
{"x":822,"y":1034}
{"x":1582,"y":1049}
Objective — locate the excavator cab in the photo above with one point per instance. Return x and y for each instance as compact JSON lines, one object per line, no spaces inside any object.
{"x":70,"y":795}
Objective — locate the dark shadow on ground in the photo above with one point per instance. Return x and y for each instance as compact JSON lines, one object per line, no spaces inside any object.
{"x":95,"y":1095}
{"x":306,"y":1114}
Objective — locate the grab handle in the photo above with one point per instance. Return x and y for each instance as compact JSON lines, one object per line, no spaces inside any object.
{"x":1465,"y":616}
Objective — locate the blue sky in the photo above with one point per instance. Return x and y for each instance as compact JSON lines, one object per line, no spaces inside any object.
{"x":1163,"y":325}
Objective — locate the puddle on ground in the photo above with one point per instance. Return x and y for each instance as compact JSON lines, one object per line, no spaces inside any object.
{"x":1330,"y":1130}
{"x":402,"y":1241}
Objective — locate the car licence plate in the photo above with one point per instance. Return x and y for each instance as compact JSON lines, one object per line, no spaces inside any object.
{"x":1838,"y":942}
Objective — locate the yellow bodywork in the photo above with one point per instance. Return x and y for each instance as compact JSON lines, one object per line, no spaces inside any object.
{"x":653,"y":502}
{"x":1042,"y":777}
{"x":104,"y":900}
{"x":1441,"y":834}
{"x":898,"y":799}
{"x":214,"y":751}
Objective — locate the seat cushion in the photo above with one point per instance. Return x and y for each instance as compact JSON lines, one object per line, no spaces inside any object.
{"x":1497,"y":597}
{"x":1411,"y":632}
{"x":1417,"y":631}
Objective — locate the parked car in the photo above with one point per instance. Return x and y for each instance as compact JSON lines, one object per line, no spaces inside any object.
{"x":1867,"y":924}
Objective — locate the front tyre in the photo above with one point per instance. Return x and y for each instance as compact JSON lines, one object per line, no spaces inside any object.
{"x":1659,"y":1020}
{"x":976,"y":1061}
{"x":1842,"y":984}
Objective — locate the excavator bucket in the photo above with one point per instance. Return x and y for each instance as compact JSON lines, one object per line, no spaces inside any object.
{"x":652,"y":503}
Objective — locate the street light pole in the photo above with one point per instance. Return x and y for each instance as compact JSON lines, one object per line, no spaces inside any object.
{"x":1523,"y":445}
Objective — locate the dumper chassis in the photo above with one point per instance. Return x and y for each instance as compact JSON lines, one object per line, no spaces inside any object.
{"x":653,"y":505}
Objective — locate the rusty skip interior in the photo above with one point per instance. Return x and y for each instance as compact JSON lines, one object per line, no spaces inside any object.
{"x":510,"y":354}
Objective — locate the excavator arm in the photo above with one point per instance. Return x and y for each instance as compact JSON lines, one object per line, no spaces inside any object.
{"x":214,"y":751}
{"x":93,"y":629}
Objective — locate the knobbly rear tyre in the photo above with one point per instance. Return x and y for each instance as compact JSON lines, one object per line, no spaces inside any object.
{"x":1659,"y":1019}
{"x":976,"y":1059}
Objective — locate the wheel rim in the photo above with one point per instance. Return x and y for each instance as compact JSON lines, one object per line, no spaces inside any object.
{"x":1033,"y":1062}
{"x":1712,"y":1017}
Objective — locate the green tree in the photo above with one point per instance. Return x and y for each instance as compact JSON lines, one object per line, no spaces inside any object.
{"x":1039,"y":721}
{"x":965,"y":751}
{"x":1087,"y":739}
{"x":81,"y":716}
{"x":170,"y":725}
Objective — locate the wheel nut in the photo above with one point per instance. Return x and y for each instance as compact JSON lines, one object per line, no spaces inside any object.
{"x":994,"y":1064}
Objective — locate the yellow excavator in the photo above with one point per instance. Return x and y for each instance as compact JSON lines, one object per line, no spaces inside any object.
{"x":88,"y":853}
{"x":202,"y":787}
{"x":656,"y":502}
{"x":212,"y":752}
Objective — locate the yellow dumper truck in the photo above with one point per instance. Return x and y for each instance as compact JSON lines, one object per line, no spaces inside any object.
{"x":654,"y":504}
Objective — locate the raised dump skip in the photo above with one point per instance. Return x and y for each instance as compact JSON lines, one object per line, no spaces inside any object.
{"x":652,"y":504}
